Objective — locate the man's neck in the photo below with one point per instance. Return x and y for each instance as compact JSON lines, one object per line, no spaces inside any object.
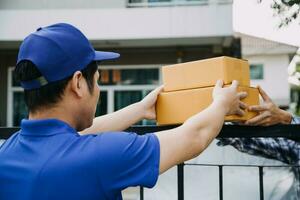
{"x":53,"y":113}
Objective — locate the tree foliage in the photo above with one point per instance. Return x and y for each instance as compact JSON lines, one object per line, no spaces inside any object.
{"x":286,"y":10}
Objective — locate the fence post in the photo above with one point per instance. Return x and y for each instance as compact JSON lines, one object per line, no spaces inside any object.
{"x":180,"y":181}
{"x":261,"y":182}
{"x":220,"y":182}
{"x":141,"y":193}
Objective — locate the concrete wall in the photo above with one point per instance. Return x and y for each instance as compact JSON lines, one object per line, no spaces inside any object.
{"x":65,"y":4}
{"x":275,"y":81}
{"x":124,"y":23}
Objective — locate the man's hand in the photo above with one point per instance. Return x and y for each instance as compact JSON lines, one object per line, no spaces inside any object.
{"x":269,"y":112}
{"x":230,"y":98}
{"x":149,"y":102}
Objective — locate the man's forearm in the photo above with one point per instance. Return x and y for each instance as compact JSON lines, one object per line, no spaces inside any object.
{"x":206,"y":126}
{"x":117,"y":121}
{"x":191,"y":138}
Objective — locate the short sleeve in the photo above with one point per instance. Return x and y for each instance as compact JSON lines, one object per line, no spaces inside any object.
{"x":127,"y":159}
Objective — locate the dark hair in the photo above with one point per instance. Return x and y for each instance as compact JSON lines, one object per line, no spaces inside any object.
{"x":51,"y":93}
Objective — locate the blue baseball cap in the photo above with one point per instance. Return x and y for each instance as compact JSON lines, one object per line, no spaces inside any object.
{"x":58,"y":51}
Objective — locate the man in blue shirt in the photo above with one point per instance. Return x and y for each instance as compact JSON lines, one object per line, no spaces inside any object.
{"x":49,"y":159}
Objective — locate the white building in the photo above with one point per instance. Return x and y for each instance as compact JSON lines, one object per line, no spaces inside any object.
{"x":269,"y":63}
{"x":148,"y":34}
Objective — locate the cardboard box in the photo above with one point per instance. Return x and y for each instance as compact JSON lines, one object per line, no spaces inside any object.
{"x":205,"y":73}
{"x":176,"y":107}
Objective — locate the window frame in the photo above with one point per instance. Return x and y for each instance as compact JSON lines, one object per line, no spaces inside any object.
{"x":263,"y":71}
{"x":110,"y":89}
{"x":146,"y":3}
{"x":10,"y":96}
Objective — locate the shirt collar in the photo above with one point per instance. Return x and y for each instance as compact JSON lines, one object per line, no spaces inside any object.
{"x":45,"y":127}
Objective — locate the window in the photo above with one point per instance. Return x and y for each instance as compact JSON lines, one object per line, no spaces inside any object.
{"x":257,"y":71}
{"x":102,"y":104}
{"x":20,"y":109}
{"x":125,"y":98}
{"x":150,"y":3}
{"x":1,"y":142}
{"x":298,"y":67}
{"x":119,"y":87}
{"x":16,"y":109}
{"x":129,"y":76}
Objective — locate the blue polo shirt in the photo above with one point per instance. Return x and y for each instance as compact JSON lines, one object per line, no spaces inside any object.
{"x":48,"y":159}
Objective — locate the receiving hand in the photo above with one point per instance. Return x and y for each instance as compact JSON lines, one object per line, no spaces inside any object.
{"x":230,"y":98}
{"x":148,"y":103}
{"x":269,"y":112}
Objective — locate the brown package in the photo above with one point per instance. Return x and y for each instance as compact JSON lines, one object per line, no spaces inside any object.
{"x":205,"y":73}
{"x":176,"y":107}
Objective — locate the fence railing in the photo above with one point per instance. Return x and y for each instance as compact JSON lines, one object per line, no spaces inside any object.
{"x":288,"y":131}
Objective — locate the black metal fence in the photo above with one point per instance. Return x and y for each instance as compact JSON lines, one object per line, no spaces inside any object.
{"x":288,"y":131}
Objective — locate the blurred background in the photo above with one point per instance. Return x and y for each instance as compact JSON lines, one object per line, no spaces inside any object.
{"x":152,"y":33}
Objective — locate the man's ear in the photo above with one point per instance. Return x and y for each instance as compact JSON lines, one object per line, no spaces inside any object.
{"x":77,"y":84}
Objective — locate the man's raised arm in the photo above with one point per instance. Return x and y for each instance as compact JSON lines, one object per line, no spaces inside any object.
{"x":191,"y":138}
